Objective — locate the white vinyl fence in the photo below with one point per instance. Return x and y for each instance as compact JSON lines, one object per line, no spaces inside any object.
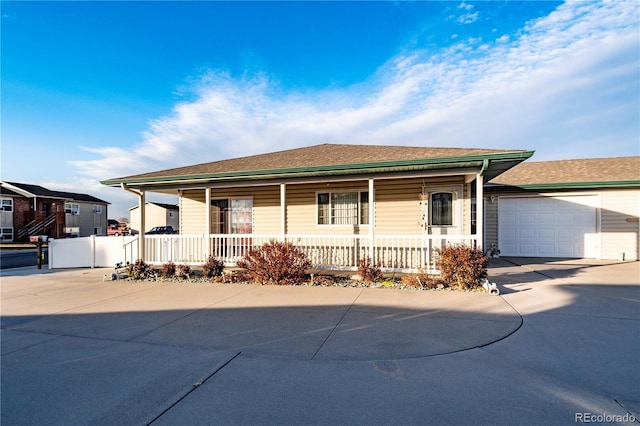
{"x":93,"y":251}
{"x":393,"y":252}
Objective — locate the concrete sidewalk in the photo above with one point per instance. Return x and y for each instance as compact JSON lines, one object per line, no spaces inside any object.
{"x":76,"y":350}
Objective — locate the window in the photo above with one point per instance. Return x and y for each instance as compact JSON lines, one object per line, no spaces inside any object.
{"x":6,"y":205}
{"x":97,"y":208}
{"x":233,"y":216}
{"x":72,"y":231}
{"x":241,"y":216}
{"x":442,"y":209}
{"x":97,"y":230}
{"x":6,"y":234}
{"x":343,"y":208}
{"x":72,"y":208}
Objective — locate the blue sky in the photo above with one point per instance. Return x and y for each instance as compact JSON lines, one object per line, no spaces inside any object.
{"x":97,"y":90}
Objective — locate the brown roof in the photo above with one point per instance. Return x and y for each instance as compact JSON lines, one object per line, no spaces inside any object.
{"x":318,"y":156}
{"x":587,"y":170}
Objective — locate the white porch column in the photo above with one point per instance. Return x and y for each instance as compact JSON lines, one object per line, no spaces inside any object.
{"x":283,"y":210}
{"x":207,"y":228}
{"x":480,"y":211}
{"x":142,"y":204}
{"x":372,"y":222}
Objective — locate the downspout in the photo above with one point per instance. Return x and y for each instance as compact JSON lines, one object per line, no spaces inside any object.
{"x":141,"y":206}
{"x":480,"y":204}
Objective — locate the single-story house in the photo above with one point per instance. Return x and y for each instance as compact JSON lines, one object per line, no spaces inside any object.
{"x":337,"y":203}
{"x":29,"y":210}
{"x":157,"y":214}
{"x":583,"y":208}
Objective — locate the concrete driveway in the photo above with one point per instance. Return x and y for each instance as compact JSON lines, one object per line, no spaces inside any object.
{"x":563,"y":340}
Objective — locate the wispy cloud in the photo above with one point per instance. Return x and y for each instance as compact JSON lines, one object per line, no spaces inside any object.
{"x":468,"y":17}
{"x":567,"y":81}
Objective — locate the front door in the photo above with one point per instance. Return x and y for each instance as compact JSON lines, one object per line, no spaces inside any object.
{"x":441,"y":211}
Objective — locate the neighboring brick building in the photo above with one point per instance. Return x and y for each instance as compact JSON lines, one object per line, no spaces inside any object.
{"x":27,"y":210}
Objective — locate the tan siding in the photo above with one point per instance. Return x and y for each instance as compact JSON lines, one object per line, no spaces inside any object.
{"x":398,"y":209}
{"x":266,"y":205}
{"x":301,"y":208}
{"x":192,"y":212}
{"x":618,"y":234}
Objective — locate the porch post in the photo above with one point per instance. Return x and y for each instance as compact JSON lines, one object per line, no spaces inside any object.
{"x":479,"y":211}
{"x":283,"y":211}
{"x":371,"y":219}
{"x":142,"y":204}
{"x":207,"y":225}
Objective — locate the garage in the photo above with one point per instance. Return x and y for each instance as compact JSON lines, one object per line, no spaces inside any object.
{"x":554,"y":226}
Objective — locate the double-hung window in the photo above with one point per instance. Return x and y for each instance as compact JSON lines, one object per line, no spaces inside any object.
{"x":72,"y":208}
{"x":343,"y":208}
{"x":6,"y":204}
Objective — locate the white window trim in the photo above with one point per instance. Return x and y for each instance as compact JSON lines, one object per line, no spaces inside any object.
{"x":74,"y":208}
{"x":9,"y":233}
{"x":358,"y":190}
{"x":2,"y":204}
{"x":97,"y":208}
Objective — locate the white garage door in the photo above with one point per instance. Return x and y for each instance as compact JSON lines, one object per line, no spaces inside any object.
{"x":548,"y":226}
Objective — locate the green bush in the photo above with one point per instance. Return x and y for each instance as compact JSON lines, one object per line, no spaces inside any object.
{"x":212,"y":267}
{"x":139,"y":270}
{"x":276,"y":263}
{"x":462,"y":266}
{"x":369,"y":271}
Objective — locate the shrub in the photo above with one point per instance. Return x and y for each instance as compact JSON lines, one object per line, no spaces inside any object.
{"x":421,"y":280}
{"x":138,"y":270}
{"x":275,"y":263}
{"x":168,"y":270}
{"x":183,"y":271}
{"x":462,"y":266}
{"x":212,"y":267}
{"x":369,"y":271}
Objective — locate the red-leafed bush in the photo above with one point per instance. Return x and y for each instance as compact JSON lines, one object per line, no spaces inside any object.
{"x":462,"y":266}
{"x":168,"y":270}
{"x":369,"y":271}
{"x":213,"y":267}
{"x":183,"y":271}
{"x":276,"y":263}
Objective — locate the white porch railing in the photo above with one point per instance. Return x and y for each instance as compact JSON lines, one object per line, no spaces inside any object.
{"x":339,"y":252}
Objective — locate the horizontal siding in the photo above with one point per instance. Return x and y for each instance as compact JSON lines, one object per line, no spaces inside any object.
{"x":397,"y":208}
{"x":490,"y":223}
{"x":301,"y":208}
{"x":192,"y":212}
{"x":618,"y":234}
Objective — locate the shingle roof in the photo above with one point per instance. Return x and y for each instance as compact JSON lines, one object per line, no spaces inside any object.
{"x":587,"y":170}
{"x":319,"y":156}
{"x":41,"y":191}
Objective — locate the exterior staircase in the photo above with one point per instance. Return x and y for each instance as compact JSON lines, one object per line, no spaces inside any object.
{"x":36,"y":227}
